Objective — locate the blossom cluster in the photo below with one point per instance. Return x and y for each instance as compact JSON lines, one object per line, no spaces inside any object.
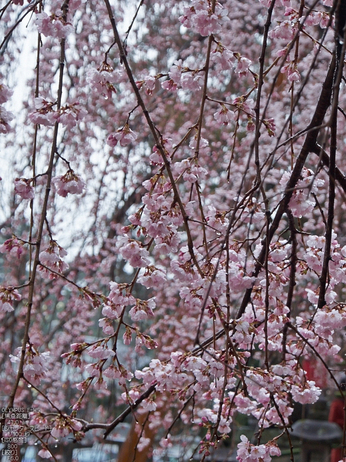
{"x":45,"y":114}
{"x":104,"y":79}
{"x":23,"y":188}
{"x":5,"y":116}
{"x":118,"y":298}
{"x":54,"y":25}
{"x":36,"y":364}
{"x":117,"y":301}
{"x":13,"y":247}
{"x":61,"y":426}
{"x":301,"y":203}
{"x":206,"y":378}
{"x":201,"y":17}
{"x":52,"y":258}
{"x":123,"y":136}
{"x":183,"y":77}
{"x":69,"y":183}
{"x":8,"y":295}
{"x":248,"y":452}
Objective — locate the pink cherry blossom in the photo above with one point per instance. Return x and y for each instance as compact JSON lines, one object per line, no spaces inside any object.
{"x":104,"y":79}
{"x":142,"y":309}
{"x":200,"y":17}
{"x":100,"y":352}
{"x":149,"y":83}
{"x":53,"y":26}
{"x":60,"y":429}
{"x":52,"y":257}
{"x":242,"y":65}
{"x":69,"y":115}
{"x":36,"y":364}
{"x":136,"y":255}
{"x":309,"y":394}
{"x":191,"y":81}
{"x":7,"y":297}
{"x":112,"y":372}
{"x":123,"y":135}
{"x":44,"y":113}
{"x":106,"y":325}
{"x":70,"y":183}
{"x":24,"y":188}
{"x":285,"y":30}
{"x":13,"y":247}
{"x":248,"y":452}
{"x":223,"y":115}
{"x":152,"y":278}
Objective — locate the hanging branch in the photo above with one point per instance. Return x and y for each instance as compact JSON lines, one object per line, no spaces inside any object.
{"x":308,"y":146}
{"x":32,"y":285}
{"x":154,"y":132}
{"x":340,"y":36}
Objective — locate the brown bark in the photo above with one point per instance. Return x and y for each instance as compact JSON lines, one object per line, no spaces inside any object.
{"x":128,"y":452}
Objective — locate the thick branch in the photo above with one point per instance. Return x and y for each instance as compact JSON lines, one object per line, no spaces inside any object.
{"x":308,"y":146}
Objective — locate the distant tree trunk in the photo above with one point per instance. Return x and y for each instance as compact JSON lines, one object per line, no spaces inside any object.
{"x":128,"y":452}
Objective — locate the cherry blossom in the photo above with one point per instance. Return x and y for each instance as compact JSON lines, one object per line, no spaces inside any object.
{"x":136,"y":255}
{"x":308,"y":394}
{"x":248,"y":452}
{"x":142,"y":309}
{"x":8,"y":295}
{"x":148,"y":83}
{"x":285,"y":30}
{"x":152,"y":277}
{"x":52,"y":257}
{"x":69,"y":183}
{"x":63,"y":426}
{"x":53,"y":25}
{"x":123,"y":135}
{"x":191,"y":81}
{"x":44,"y":112}
{"x":99,"y":352}
{"x":36,"y":364}
{"x":70,"y":114}
{"x":201,"y":18}
{"x":104,"y":79}
{"x":24,"y":188}
{"x":13,"y":247}
{"x":223,"y":115}
{"x":107,"y":326}
{"x":242,"y":65}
